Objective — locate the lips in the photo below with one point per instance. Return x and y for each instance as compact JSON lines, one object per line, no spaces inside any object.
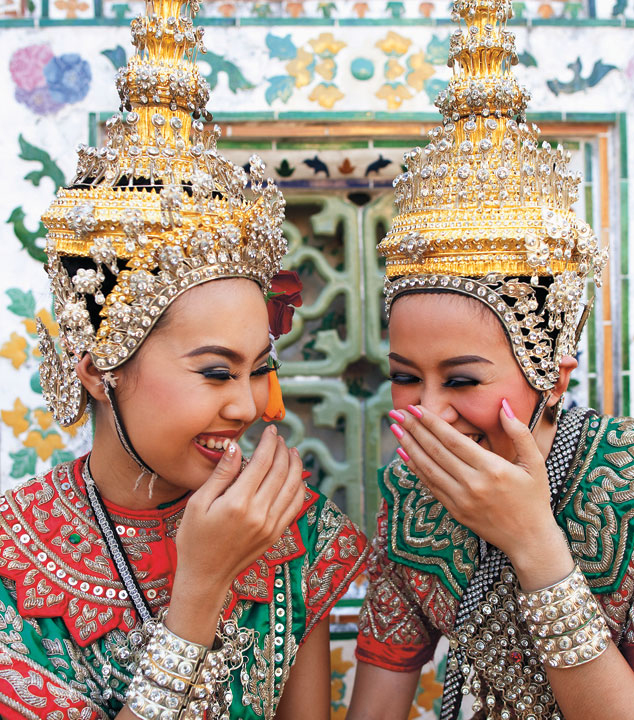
{"x":213,"y":445}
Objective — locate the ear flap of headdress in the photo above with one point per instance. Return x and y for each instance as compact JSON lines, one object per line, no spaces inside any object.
{"x":63,"y":392}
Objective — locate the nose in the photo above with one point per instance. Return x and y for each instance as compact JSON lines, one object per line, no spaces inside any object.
{"x":240,"y":403}
{"x":438,"y":402}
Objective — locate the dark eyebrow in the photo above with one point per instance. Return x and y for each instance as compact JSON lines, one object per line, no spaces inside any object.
{"x":400,"y":359}
{"x":231,"y":355}
{"x":464,"y":360}
{"x":449,"y":362}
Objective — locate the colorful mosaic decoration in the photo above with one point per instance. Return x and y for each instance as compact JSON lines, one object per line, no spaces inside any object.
{"x":330,"y":95}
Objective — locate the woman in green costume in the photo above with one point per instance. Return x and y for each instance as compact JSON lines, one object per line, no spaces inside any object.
{"x":505,"y":525}
{"x":160,"y":267}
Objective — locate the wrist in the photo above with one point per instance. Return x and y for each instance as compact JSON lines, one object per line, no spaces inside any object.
{"x":193,"y":614}
{"x":544,"y":560}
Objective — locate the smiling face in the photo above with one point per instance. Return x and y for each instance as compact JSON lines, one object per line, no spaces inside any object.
{"x":198,"y":381}
{"x":449,"y":354}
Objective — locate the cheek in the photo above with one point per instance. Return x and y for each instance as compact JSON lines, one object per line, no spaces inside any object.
{"x":404,"y":395}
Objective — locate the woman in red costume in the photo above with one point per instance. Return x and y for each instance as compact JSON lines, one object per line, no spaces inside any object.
{"x":160,"y":267}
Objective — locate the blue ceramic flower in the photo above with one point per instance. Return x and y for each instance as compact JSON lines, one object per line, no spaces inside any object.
{"x":68,"y":78}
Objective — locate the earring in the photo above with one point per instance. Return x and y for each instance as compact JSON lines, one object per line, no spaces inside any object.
{"x":558,"y":409}
{"x":62,"y":390}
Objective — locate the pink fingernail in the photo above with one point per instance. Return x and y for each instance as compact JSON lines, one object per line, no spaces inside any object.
{"x":396,"y":415}
{"x":403,"y":454}
{"x":415,"y":411}
{"x":398,"y":431}
{"x":507,"y":409}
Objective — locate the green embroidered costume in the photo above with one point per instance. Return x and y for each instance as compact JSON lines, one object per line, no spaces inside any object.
{"x":423,"y":560}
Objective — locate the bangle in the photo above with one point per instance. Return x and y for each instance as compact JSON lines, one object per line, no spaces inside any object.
{"x":166,"y":671}
{"x":180,"y":680}
{"x":565,"y":622}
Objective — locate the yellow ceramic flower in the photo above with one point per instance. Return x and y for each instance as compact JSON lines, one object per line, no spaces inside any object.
{"x":394,"y":95}
{"x":47,"y":319}
{"x":337,"y":663}
{"x":326,"y":43}
{"x":394,"y":44}
{"x":326,"y":95}
{"x":297,"y":68}
{"x":14,"y":350}
{"x":393,"y":69}
{"x":44,"y":418}
{"x":44,"y":445}
{"x":430,"y":690}
{"x":420,"y":70}
{"x":326,"y":68}
{"x":16,"y":419}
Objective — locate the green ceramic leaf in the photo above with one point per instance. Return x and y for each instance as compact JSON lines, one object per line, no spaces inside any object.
{"x":22,"y":303}
{"x":50,"y":169}
{"x":23,"y":463}
{"x":60,"y":456}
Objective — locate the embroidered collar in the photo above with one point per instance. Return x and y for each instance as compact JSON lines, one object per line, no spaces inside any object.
{"x":51,"y":547}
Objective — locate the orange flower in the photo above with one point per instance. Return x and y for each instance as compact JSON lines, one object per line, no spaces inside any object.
{"x":14,"y":350}
{"x":71,"y":7}
{"x":16,"y":419}
{"x":274,"y":409}
{"x":44,"y":445}
{"x":295,"y":9}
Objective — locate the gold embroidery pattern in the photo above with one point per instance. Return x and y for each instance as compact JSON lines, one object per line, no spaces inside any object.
{"x":425,"y":514}
{"x":337,"y":537}
{"x":598,"y":531}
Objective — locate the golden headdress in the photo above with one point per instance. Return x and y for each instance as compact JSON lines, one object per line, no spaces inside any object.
{"x":157,"y":207}
{"x":485,"y":209}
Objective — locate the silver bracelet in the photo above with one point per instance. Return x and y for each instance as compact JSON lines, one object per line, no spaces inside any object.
{"x":565,"y":622}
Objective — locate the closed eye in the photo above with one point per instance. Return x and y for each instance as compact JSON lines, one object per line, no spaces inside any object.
{"x":264,"y":370}
{"x":457,"y":382}
{"x":403,"y":379}
{"x":217,"y":374}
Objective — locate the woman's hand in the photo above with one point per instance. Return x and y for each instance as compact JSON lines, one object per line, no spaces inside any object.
{"x":229,"y":522}
{"x":505,"y":503}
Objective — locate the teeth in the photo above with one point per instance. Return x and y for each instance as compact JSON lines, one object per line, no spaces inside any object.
{"x":216,"y":443}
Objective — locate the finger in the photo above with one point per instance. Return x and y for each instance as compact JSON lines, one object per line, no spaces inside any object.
{"x":411,"y":431}
{"x":528,"y":453}
{"x":290,"y":499}
{"x":260,"y":463}
{"x":427,"y":469}
{"x":448,"y":437}
{"x":274,"y":478}
{"x":221,"y":478}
